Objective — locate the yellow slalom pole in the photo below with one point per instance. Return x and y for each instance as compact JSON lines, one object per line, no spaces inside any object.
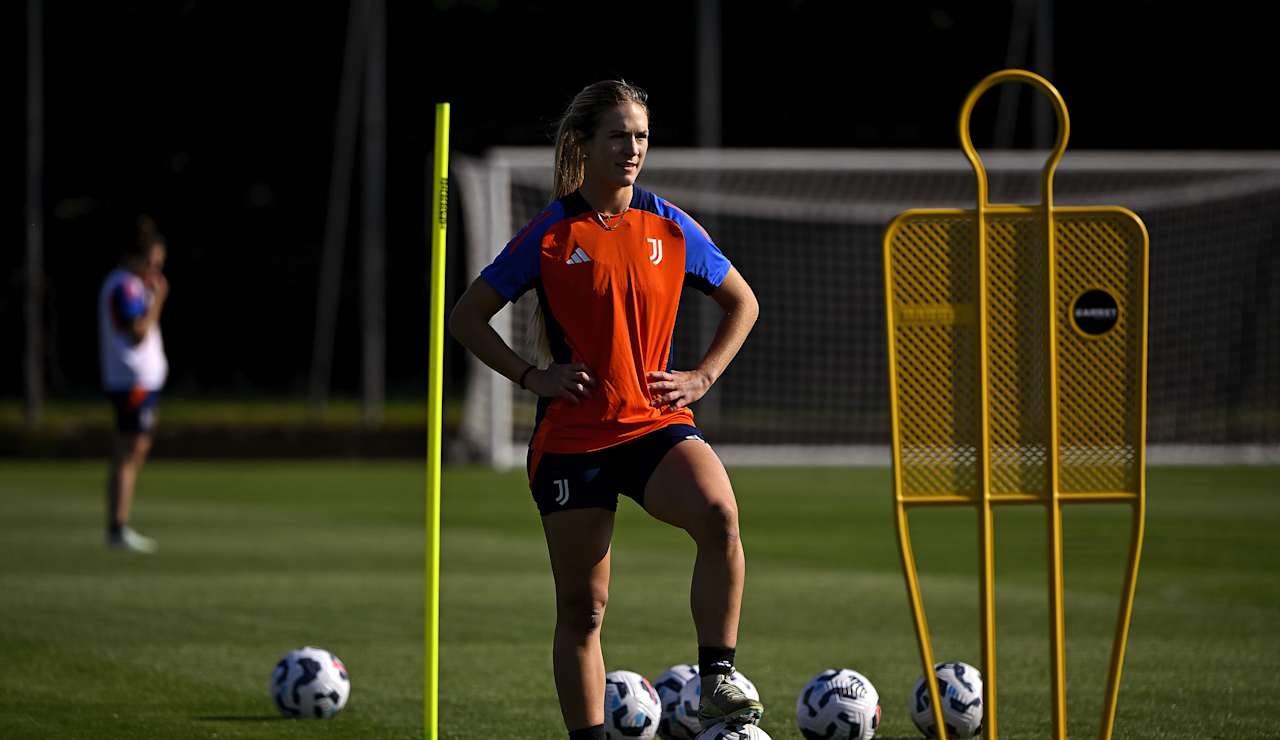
{"x":435,"y":381}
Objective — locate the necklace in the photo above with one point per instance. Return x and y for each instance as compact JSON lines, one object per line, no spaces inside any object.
{"x":611,"y":222}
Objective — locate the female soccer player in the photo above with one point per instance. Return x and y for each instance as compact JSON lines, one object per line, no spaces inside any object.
{"x":134,"y":369}
{"x":608,"y":261}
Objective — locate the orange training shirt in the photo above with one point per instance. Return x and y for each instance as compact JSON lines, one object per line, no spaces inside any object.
{"x":609,"y":298}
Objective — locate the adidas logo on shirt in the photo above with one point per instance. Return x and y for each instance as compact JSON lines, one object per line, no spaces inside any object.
{"x":578,"y":257}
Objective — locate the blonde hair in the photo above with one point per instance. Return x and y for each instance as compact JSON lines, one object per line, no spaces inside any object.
{"x":576,"y":126}
{"x":578,"y":123}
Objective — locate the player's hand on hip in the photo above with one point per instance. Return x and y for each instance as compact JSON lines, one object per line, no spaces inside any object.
{"x":677,"y":389}
{"x":573,"y":382}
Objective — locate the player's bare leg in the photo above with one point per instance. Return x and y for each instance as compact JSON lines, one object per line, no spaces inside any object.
{"x":578,"y":542}
{"x":128,"y":456}
{"x":690,"y":489}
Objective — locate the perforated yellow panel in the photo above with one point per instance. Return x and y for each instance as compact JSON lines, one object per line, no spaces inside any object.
{"x":934,"y":294}
{"x":935,"y":288}
{"x":1099,"y":377}
{"x":1018,"y":343}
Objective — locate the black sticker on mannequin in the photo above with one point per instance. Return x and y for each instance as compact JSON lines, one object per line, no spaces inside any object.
{"x":1095,"y":312}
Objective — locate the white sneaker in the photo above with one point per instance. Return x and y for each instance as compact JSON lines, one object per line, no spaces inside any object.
{"x":130,"y":540}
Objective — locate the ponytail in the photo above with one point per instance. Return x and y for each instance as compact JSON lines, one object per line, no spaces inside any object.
{"x":569,"y":162}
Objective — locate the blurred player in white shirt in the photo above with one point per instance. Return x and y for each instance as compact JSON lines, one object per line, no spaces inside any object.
{"x":134,"y":369}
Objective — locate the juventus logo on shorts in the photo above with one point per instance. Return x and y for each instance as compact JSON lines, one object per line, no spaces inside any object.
{"x":655,"y":250}
{"x":562,"y":485}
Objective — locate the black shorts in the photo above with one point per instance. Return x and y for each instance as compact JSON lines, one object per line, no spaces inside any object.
{"x":135,"y":410}
{"x":593,"y":480}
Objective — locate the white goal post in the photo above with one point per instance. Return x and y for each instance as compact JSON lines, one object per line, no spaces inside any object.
{"x":805,"y":227}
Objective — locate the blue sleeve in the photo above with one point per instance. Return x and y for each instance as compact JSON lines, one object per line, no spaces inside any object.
{"x":705,"y":266}
{"x":128,"y":302}
{"x":517,"y":268}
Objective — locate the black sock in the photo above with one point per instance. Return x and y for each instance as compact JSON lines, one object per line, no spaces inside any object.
{"x":713,"y":660}
{"x":588,"y":733}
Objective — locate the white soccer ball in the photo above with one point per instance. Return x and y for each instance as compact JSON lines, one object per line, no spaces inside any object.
{"x":631,"y":706}
{"x":722,"y":731}
{"x":668,"y":686}
{"x":960,"y":689}
{"x":691,"y":696}
{"x":838,"y":704}
{"x":310,"y":683}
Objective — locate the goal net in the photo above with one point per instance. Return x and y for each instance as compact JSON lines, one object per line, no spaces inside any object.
{"x":805,"y":229}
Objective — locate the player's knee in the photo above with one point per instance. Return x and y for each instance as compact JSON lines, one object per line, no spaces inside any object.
{"x":719,"y":525}
{"x":132,"y":450}
{"x":128,"y":460}
{"x":582,"y":613}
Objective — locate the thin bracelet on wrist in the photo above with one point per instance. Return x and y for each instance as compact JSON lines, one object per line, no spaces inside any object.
{"x":524,"y":375}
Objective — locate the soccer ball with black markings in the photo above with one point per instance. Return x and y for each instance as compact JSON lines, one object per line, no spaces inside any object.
{"x":310,"y":683}
{"x":631,"y":706}
{"x":723,"y":731}
{"x":668,"y":686}
{"x":838,"y":704}
{"x":960,"y":689}
{"x":691,"y":697}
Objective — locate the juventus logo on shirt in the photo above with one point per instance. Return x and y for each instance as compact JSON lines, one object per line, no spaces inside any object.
{"x":655,"y":250}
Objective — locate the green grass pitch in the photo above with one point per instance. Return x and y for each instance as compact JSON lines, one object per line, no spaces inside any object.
{"x":257,"y":559}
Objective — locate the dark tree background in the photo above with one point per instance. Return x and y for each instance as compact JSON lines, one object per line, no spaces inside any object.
{"x":218,"y":119}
